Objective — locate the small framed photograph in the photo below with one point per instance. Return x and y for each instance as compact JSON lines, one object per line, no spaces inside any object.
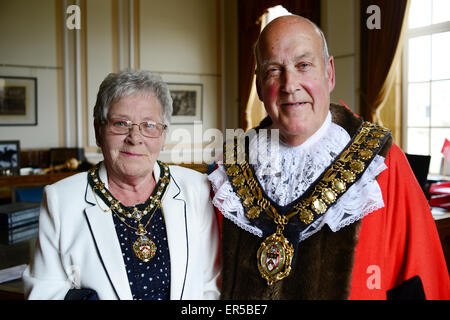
{"x":187,"y":102}
{"x":9,"y":157}
{"x":18,"y":101}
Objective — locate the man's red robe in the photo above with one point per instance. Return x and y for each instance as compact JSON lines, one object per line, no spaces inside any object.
{"x":400,"y":240}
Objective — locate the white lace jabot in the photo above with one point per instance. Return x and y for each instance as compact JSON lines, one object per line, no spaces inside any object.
{"x":287,"y":172}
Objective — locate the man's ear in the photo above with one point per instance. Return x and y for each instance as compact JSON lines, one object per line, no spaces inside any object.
{"x":330,"y":74}
{"x":258,"y":86}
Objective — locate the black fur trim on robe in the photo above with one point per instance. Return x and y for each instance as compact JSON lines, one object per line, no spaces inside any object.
{"x":324,"y":262}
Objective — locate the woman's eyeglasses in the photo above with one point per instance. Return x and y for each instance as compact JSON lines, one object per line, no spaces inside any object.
{"x":148,"y":129}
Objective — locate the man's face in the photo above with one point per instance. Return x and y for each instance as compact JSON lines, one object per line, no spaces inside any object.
{"x":292,"y":79}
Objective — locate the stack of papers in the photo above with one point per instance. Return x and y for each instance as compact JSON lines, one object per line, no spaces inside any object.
{"x":13,"y":273}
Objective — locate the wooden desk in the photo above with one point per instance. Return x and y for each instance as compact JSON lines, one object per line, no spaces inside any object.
{"x":9,"y":183}
{"x":34,"y":179}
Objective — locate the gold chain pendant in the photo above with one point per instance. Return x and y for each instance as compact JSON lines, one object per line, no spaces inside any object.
{"x":144,"y":248}
{"x":275,"y":257}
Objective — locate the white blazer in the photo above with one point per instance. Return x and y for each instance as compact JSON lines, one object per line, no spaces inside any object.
{"x":78,"y":245}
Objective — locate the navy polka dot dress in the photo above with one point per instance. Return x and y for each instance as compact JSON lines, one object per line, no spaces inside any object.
{"x":148,"y":280}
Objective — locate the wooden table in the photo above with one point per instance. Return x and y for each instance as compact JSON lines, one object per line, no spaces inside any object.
{"x":33,"y":179}
{"x":9,"y":183}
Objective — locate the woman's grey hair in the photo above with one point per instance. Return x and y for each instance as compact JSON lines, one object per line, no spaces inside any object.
{"x":119,"y":85}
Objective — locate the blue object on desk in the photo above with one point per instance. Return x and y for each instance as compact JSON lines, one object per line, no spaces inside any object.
{"x":29,"y":195}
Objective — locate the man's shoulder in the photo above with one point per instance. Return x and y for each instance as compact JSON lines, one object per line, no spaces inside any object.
{"x":346,"y":118}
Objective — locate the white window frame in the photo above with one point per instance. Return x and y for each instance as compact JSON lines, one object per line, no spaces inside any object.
{"x":412,"y":33}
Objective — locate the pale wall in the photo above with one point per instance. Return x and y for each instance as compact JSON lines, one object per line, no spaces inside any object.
{"x":28,"y":49}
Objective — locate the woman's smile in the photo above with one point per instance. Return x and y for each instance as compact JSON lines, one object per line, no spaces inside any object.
{"x":132,"y":154}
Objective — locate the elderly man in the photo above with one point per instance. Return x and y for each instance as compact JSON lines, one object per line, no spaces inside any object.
{"x":336,"y":213}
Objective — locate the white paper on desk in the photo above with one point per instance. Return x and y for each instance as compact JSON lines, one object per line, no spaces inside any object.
{"x":436,"y":211}
{"x":443,"y":190}
{"x":12,"y":273}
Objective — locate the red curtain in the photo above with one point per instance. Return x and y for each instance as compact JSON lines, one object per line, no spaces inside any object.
{"x":249,"y":13}
{"x":378,"y":47}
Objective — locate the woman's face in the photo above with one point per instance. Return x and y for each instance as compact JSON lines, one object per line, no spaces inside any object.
{"x":131,"y":155}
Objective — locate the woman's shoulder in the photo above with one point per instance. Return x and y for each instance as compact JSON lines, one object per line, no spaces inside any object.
{"x":184,"y":171}
{"x":187,"y":176}
{"x":71,"y":190}
{"x":71,"y":181}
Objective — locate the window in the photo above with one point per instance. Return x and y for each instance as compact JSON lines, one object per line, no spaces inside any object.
{"x":426,"y":79}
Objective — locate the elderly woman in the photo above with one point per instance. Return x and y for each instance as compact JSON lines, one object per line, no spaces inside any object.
{"x":132,"y":227}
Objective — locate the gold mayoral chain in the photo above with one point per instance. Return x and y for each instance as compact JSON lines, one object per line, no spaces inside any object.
{"x":143,"y":247}
{"x":274,"y":256}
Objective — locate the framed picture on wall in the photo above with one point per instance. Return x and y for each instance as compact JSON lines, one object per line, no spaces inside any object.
{"x":18,"y":101}
{"x":9,"y":157}
{"x":187,"y":102}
